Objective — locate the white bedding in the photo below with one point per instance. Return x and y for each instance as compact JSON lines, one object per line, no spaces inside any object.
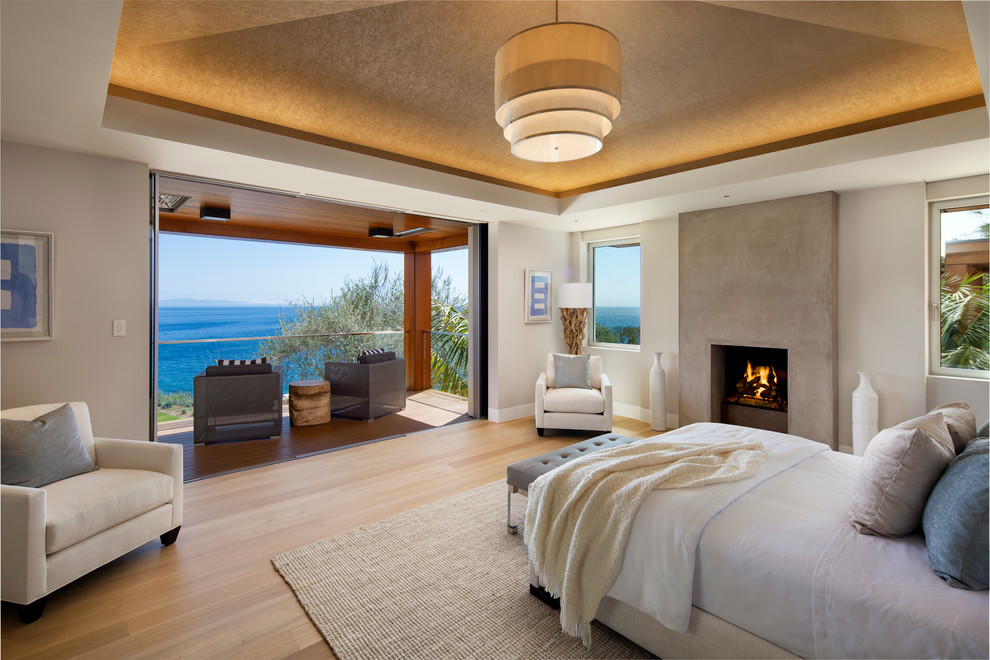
{"x":783,"y":562}
{"x":658,"y":563}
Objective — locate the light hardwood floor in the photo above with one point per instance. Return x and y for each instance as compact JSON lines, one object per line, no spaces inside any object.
{"x":214,"y":594}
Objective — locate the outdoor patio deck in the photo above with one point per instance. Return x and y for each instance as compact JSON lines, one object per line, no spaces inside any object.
{"x":424,"y":410}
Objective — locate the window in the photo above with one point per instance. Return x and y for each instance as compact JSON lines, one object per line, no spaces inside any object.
{"x":961,"y":246}
{"x":615,"y":275}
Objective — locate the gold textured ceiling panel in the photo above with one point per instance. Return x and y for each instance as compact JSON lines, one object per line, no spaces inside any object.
{"x":415,"y":79}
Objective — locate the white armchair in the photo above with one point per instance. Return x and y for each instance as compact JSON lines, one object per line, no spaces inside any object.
{"x":574,"y":408}
{"x":56,"y":533}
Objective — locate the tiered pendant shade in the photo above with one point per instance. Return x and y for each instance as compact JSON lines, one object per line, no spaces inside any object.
{"x":557,"y":90}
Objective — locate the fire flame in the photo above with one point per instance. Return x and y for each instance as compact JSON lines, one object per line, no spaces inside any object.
{"x":766,"y":375}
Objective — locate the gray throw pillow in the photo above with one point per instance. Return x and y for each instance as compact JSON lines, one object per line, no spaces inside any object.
{"x":572,"y":371}
{"x":897,"y":474}
{"x":43,"y":450}
{"x":955,"y":520}
{"x":935,"y":427}
{"x":961,"y":422}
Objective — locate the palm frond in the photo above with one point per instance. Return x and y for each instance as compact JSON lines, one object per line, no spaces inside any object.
{"x":964,"y":326}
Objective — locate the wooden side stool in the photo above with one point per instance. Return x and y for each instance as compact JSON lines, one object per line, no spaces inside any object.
{"x":309,"y":402}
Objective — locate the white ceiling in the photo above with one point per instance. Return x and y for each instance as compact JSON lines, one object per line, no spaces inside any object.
{"x":56,"y":59}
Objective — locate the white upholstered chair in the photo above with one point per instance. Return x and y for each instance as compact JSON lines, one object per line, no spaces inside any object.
{"x":56,"y":533}
{"x":574,"y":408}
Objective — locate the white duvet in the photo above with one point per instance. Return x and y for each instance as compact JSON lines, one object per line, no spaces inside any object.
{"x":658,"y":564}
{"x":781,"y":561}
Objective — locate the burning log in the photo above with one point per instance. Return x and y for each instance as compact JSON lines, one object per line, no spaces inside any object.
{"x":759,"y":387}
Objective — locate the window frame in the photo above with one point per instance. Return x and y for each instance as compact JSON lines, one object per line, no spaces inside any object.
{"x":935,"y":209}
{"x":616,"y":242}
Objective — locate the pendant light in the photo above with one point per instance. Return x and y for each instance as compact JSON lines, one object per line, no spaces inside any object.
{"x":557,"y":90}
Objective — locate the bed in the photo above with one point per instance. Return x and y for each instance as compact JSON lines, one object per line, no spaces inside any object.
{"x":779,"y":571}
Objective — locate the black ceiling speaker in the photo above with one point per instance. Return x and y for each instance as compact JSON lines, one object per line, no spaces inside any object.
{"x":217,"y":213}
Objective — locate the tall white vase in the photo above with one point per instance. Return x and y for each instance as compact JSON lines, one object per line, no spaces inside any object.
{"x":865,"y":413}
{"x":658,"y":395}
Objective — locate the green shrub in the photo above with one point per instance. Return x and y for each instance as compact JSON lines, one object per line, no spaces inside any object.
{"x":609,"y":335}
{"x":175,"y":400}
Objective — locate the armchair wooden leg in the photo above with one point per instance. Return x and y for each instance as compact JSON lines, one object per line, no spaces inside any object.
{"x":169,"y":537}
{"x":539,"y":431}
{"x":32,"y":611}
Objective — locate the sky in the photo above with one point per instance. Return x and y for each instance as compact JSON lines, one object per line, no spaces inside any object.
{"x":960,"y":225}
{"x":261,"y":272}
{"x":617,"y":276}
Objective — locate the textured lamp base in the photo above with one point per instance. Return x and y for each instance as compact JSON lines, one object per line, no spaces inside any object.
{"x":574,"y":320}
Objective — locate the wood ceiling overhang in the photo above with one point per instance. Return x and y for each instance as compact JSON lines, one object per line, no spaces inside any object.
{"x":703,"y":82}
{"x":273,"y":216}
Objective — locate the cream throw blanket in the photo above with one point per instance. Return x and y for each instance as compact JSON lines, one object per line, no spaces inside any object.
{"x":579,"y":515}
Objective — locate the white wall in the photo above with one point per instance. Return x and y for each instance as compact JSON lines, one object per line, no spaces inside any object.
{"x":518,"y":350}
{"x":659,"y":311}
{"x":883,"y":303}
{"x":97,"y":209}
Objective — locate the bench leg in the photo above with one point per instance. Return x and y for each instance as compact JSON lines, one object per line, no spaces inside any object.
{"x":513,"y":529}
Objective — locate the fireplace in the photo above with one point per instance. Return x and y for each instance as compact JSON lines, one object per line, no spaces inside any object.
{"x":749,"y":386}
{"x":756,"y":377}
{"x":762,"y":275}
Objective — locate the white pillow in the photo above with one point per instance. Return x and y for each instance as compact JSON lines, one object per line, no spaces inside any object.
{"x":897,"y":474}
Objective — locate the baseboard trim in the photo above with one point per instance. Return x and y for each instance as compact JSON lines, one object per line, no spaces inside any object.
{"x":499,"y":415}
{"x":627,"y":410}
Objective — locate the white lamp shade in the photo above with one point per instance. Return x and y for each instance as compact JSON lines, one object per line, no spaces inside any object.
{"x":574,"y":295}
{"x":557,"y":90}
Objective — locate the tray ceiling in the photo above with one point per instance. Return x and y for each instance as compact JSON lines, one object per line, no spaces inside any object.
{"x":703,"y":82}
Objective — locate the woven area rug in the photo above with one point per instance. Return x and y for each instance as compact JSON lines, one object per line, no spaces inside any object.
{"x":444,"y":580}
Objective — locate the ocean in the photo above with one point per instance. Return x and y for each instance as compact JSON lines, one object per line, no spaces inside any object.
{"x":617,"y":317}
{"x":179,"y":363}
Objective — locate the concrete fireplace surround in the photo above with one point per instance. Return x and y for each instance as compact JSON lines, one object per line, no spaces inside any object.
{"x":763,"y":275}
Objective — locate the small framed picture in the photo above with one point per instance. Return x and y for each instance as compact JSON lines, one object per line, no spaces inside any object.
{"x":538,"y":295}
{"x":26,"y":275}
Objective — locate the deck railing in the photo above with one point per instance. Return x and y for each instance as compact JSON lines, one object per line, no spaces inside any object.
{"x":303,"y":356}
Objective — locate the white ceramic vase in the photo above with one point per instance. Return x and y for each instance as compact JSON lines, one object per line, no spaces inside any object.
{"x":658,"y":395}
{"x":865,"y":414}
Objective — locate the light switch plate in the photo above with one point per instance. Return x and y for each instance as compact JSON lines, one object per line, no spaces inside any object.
{"x":119,"y":328}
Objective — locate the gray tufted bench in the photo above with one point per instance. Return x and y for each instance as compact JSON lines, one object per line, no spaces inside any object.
{"x":521,"y":474}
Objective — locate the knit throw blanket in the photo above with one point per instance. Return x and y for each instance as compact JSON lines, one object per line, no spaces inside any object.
{"x":579,"y":515}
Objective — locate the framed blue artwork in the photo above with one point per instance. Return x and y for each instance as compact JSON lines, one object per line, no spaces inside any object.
{"x":538,"y":295}
{"x":26,"y":271}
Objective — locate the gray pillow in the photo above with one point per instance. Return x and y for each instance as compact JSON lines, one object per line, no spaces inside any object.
{"x":572,"y":371}
{"x":43,"y":450}
{"x":897,"y":474}
{"x":955,"y":520}
{"x":935,"y":427}
{"x":961,"y":422}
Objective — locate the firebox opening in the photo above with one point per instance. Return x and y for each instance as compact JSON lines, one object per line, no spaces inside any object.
{"x":756,"y":377}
